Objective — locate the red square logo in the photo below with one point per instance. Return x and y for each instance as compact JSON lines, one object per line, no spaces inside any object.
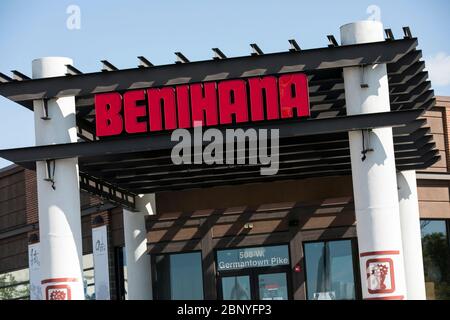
{"x":380,"y":275}
{"x":58,"y":292}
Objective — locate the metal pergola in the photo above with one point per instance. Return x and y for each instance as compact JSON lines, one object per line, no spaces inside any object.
{"x":119,"y":168}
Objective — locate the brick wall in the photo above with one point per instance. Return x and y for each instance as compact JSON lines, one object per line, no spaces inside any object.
{"x":14,"y":253}
{"x":31,"y":197}
{"x":13,"y":244}
{"x":434,"y":195}
{"x":12,"y":198}
{"x":439,"y":127}
{"x":444,"y":104}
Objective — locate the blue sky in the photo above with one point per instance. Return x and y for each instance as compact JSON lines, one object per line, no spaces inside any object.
{"x":121,"y":30}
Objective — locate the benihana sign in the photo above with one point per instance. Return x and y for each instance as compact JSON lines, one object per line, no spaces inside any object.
{"x":208,"y":103}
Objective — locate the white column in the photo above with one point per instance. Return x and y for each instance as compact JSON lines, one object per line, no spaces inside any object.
{"x":138,"y":261}
{"x":411,"y":235}
{"x":59,"y":207}
{"x":374,"y":179}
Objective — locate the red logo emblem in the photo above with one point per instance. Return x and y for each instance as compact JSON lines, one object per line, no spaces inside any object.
{"x":58,"y":292}
{"x":380,"y":275}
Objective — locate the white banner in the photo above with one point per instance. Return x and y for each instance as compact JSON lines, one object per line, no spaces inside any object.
{"x":34,"y":264}
{"x":101,"y":265}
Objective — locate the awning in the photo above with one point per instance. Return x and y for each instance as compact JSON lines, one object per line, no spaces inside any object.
{"x":317,"y":146}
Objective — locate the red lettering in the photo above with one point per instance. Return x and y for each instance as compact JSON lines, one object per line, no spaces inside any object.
{"x":204,"y":101}
{"x":294,"y":95}
{"x":108,"y":122}
{"x":233,"y":100}
{"x":184,"y":117}
{"x":132,"y":112}
{"x":210,"y":103}
{"x":260,"y":89}
{"x":158,"y":100}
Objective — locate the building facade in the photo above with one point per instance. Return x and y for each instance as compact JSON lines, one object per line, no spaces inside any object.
{"x":308,"y":226}
{"x":358,"y":208}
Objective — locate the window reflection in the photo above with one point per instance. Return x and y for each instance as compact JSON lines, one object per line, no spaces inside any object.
{"x":329,"y":270}
{"x":125,"y":275}
{"x":273,"y":286}
{"x":436,"y":258}
{"x":179,"y":276}
{"x":15,"y":285}
{"x":236,"y":288}
{"x":88,"y":277}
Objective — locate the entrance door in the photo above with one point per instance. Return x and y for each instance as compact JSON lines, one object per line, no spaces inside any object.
{"x":237,"y":287}
{"x":254,"y":284}
{"x":273,"y":286}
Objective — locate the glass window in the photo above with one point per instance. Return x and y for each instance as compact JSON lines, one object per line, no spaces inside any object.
{"x":88,"y":276}
{"x":179,"y":276}
{"x":243,"y":258}
{"x":436,"y":258}
{"x":236,"y":288}
{"x":329,"y":270}
{"x":15,"y":285}
{"x":125,"y":275}
{"x":121,"y":273}
{"x":273,"y":286}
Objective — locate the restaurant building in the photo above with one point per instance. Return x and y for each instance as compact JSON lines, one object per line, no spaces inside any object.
{"x":358,"y":208}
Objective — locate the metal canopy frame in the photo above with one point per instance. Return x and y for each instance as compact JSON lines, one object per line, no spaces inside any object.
{"x":119,"y":168}
{"x":162,"y":142}
{"x":210,"y":70}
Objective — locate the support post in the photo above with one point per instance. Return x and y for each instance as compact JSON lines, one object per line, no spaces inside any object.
{"x":411,"y":235}
{"x":374,"y":174}
{"x":138,"y":261}
{"x":58,"y":192}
